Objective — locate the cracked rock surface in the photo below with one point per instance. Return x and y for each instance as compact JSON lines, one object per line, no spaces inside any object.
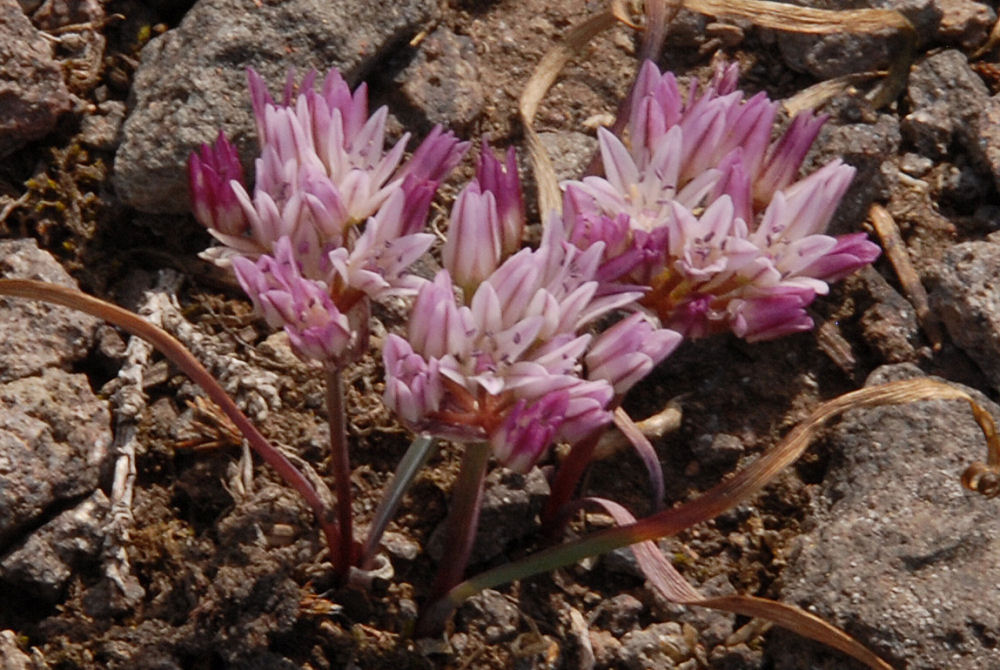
{"x":901,"y":555}
{"x":54,"y":431}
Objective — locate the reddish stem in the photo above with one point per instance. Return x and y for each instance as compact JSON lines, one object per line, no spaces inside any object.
{"x":567,"y":477}
{"x":170,"y":347}
{"x":463,"y":520}
{"x":340,"y":465}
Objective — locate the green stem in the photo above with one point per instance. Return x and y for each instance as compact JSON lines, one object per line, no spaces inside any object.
{"x":718,"y":499}
{"x":461,"y":525}
{"x":340,"y":464}
{"x":560,"y":556}
{"x":413,"y":460}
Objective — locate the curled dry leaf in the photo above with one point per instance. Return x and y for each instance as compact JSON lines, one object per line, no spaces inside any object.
{"x":659,"y":13}
{"x":671,"y":584}
{"x":896,"y":252}
{"x":819,"y":93}
{"x":542,"y":78}
{"x":982,"y":477}
{"x":172,"y":348}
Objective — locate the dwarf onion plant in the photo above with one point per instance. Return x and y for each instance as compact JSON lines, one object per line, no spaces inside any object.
{"x":333,"y":223}
{"x":699,"y":225}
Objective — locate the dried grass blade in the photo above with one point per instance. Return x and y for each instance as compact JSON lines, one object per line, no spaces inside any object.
{"x":659,"y":14}
{"x":549,"y":198}
{"x":662,"y":575}
{"x":656,"y":426}
{"x":980,"y":477}
{"x":834,"y":345}
{"x":798,"y":620}
{"x":781,"y":16}
{"x":644,"y":448}
{"x":818,"y":94}
{"x":991,"y":41}
{"x":895,"y":250}
{"x":657,"y":569}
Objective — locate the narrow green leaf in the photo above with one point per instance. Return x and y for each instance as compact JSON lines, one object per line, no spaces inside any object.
{"x":413,"y":460}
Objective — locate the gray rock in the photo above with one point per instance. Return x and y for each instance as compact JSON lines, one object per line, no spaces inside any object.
{"x":735,"y":657}
{"x":493,"y":614}
{"x":961,"y":183}
{"x":914,"y":164}
{"x":570,"y":152}
{"x":661,"y":645}
{"x":54,"y":435}
{"x":32,"y":91}
{"x":442,"y":81}
{"x":606,"y":648}
{"x":45,"y":561}
{"x":929,"y":129}
{"x":101,"y":130}
{"x":400,"y":546}
{"x":946,"y":76}
{"x":965,"y":23}
{"x":30,"y":5}
{"x":511,"y":503}
{"x":37,"y":335}
{"x":717,"y":450}
{"x":618,"y":614}
{"x":622,"y":561}
{"x":845,"y":52}
{"x":192,"y":79}
{"x":984,"y":140}
{"x":964,"y":296}
{"x":871,"y":148}
{"x":12,"y":658}
{"x":713,"y":626}
{"x":688,"y":31}
{"x":901,"y":555}
{"x":66,"y":403}
{"x":890,"y":325}
{"x":945,"y":97}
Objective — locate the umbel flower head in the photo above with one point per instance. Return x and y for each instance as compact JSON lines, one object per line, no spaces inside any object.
{"x":495,"y":344}
{"x":334,"y":220}
{"x":703,"y":209}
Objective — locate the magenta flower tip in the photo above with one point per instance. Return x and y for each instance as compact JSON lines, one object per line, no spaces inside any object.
{"x":211,"y":171}
{"x":334,"y":219}
{"x":472,"y":249}
{"x":436,"y":156}
{"x":756,"y":254}
{"x":629,"y":350}
{"x":528,"y":430}
{"x":302,"y":307}
{"x":501,"y":179}
{"x":508,"y":353}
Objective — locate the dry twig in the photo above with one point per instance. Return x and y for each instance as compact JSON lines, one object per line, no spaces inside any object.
{"x":896,"y":252}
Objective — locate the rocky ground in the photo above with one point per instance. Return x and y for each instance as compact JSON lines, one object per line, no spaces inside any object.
{"x":207,"y":562}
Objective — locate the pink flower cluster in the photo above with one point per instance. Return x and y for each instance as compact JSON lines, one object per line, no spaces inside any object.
{"x":334,"y":219}
{"x":495,"y":348}
{"x":702,"y":209}
{"x":698,"y":226}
